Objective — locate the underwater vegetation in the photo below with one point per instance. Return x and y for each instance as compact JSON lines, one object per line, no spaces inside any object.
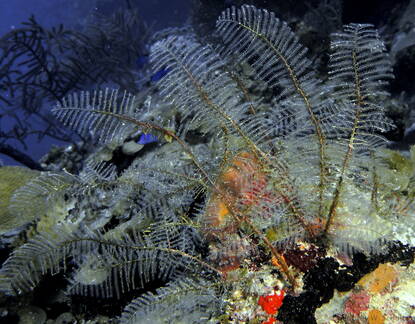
{"x":248,"y":192}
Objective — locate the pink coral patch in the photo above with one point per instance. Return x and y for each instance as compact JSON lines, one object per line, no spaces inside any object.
{"x":357,"y":303}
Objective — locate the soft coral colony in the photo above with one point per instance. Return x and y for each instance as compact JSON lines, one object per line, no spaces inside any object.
{"x":242,"y":188}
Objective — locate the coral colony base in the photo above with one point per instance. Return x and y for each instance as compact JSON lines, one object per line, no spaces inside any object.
{"x":250,"y":209}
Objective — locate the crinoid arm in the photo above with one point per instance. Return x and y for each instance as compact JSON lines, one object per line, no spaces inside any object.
{"x":359,"y":71}
{"x":185,"y":300}
{"x":103,"y":114}
{"x":107,"y":264}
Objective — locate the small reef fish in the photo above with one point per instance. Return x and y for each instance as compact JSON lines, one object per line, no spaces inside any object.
{"x":147,"y":139}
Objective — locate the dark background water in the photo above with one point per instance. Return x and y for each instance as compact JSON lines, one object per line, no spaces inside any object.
{"x":161,"y":13}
